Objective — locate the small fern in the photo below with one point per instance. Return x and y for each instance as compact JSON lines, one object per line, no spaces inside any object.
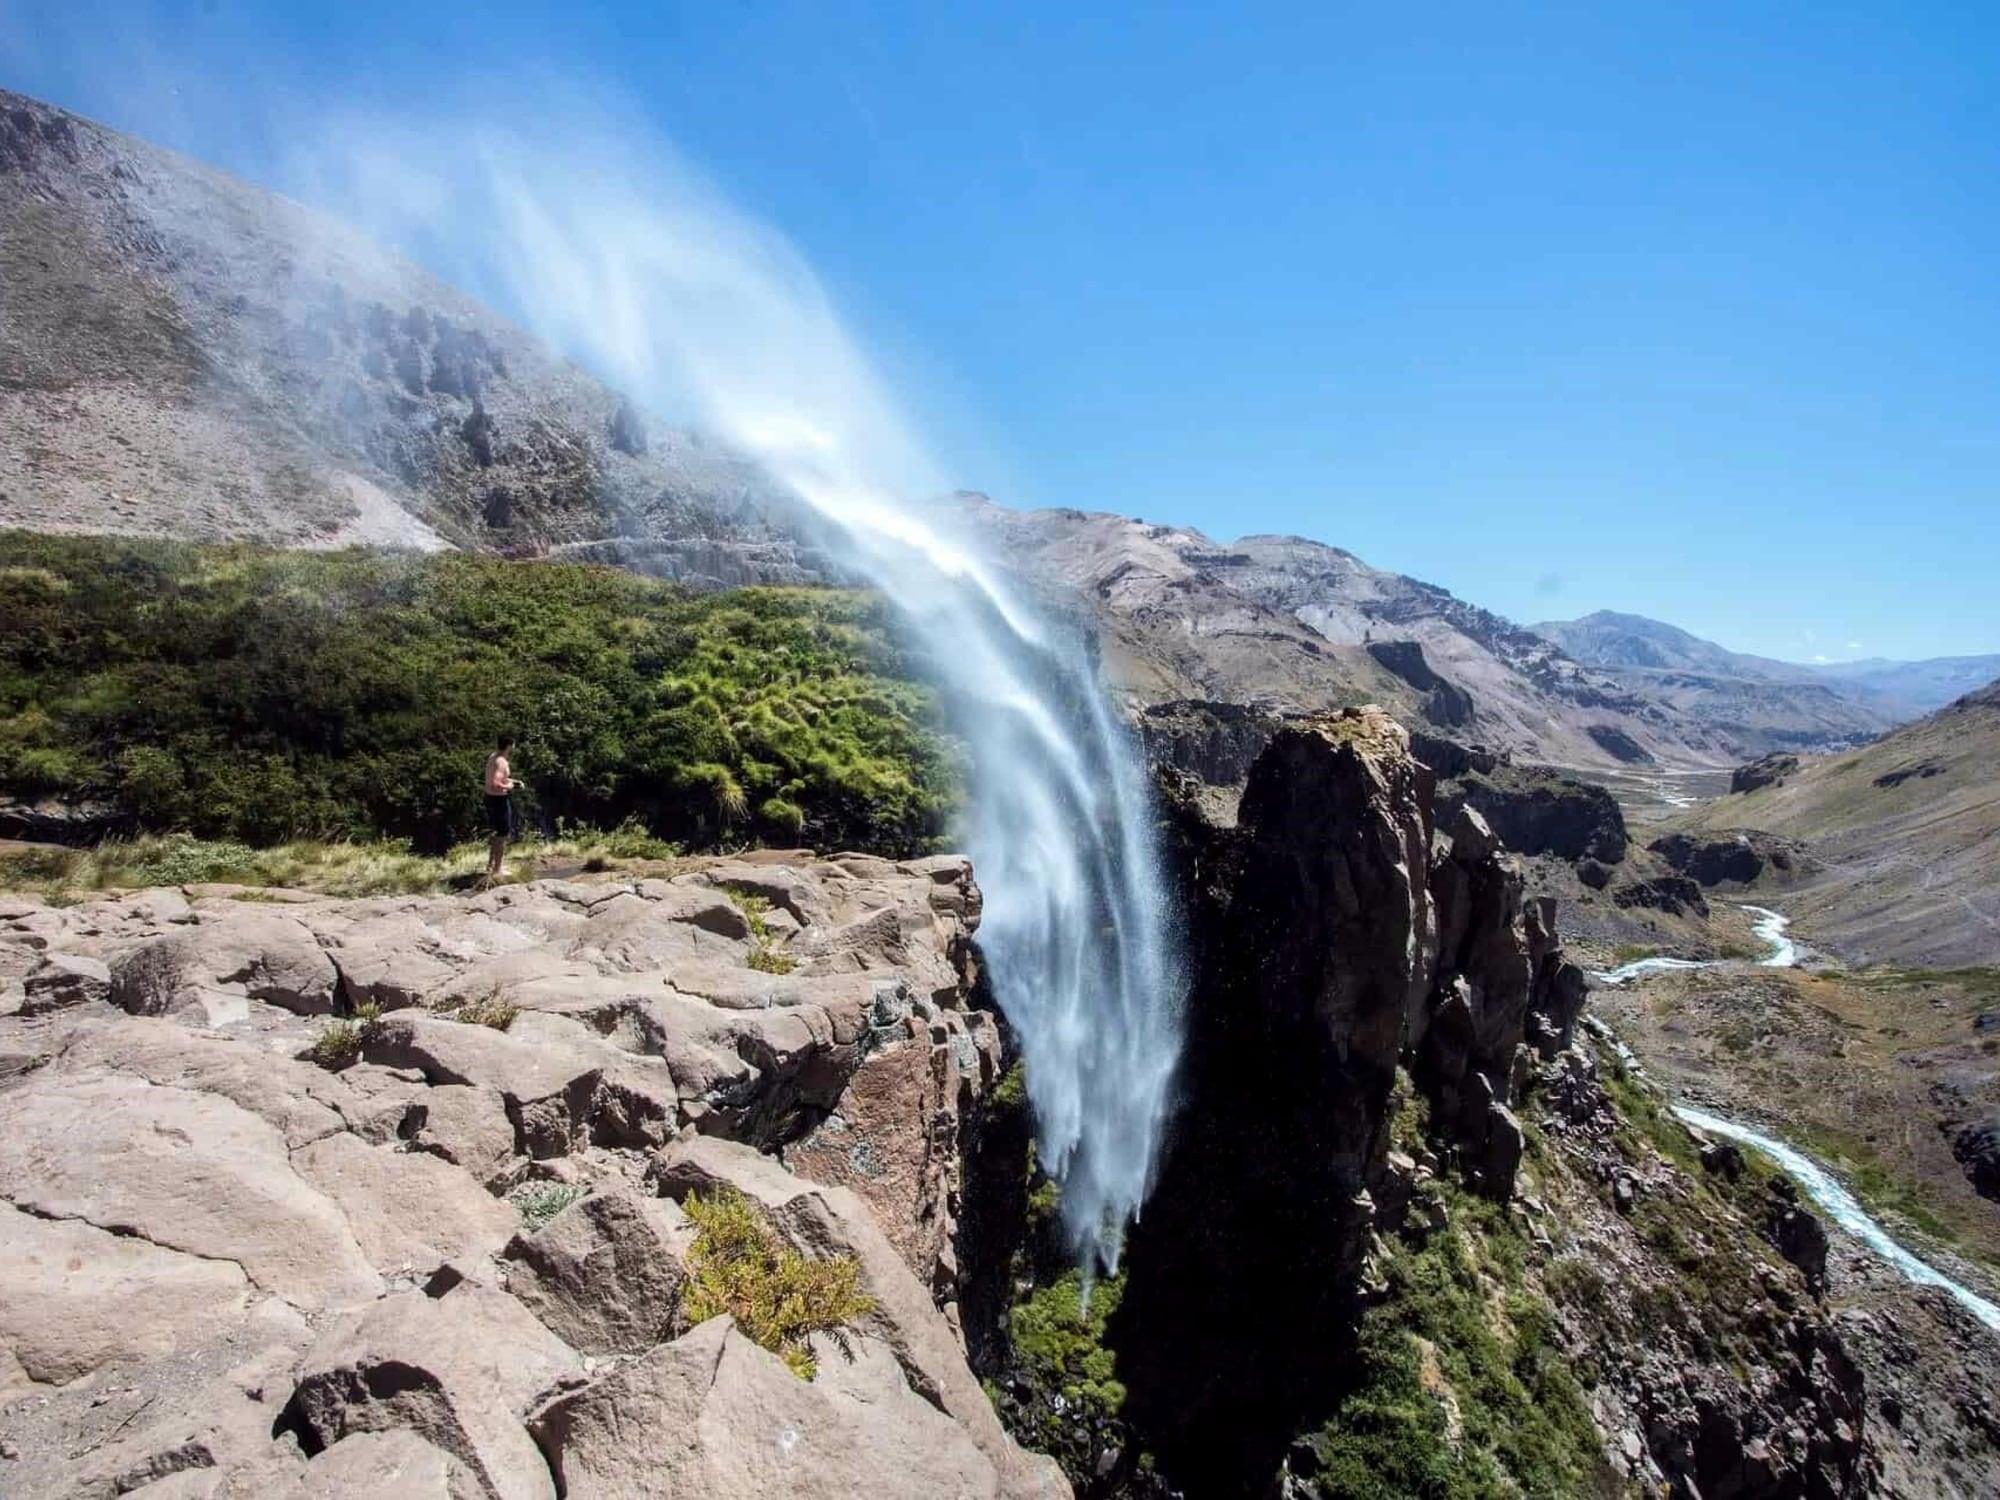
{"x":339,"y":1043}
{"x":778,"y":1297}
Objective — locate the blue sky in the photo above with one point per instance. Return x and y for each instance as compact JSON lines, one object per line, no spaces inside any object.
{"x":1688,"y":310}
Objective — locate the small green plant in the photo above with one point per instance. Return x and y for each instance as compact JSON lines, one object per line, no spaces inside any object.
{"x":778,"y":1297}
{"x":339,"y":1043}
{"x":766,"y":956}
{"x":539,"y":1202}
{"x":489,"y":1009}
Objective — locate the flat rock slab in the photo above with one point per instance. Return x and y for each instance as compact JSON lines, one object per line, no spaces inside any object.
{"x":74,"y":1298}
{"x":713,"y":1417}
{"x":188,"y":1171}
{"x":410,"y":1212}
{"x":461,"y":1371}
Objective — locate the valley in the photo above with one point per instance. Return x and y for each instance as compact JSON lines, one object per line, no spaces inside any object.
{"x":1037,"y":1003}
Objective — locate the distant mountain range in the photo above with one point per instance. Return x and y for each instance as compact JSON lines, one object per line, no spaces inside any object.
{"x":1856,"y":699}
{"x":185,"y":354}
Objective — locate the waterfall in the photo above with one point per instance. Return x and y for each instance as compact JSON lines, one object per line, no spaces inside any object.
{"x":642,"y":271}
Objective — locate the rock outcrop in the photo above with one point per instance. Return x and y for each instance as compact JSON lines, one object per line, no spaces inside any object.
{"x":1766,"y":770}
{"x":1734,"y":858}
{"x":1339,"y":933}
{"x":1539,"y":812}
{"x":312,"y":1197}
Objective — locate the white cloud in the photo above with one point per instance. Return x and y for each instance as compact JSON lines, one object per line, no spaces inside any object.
{"x":1822,"y":658}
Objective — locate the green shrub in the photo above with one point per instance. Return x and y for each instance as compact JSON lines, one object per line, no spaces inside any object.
{"x":539,"y":1202}
{"x":261,"y":697}
{"x":339,"y":1042}
{"x":778,"y":1297}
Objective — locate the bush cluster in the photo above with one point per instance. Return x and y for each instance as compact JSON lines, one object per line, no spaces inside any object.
{"x":778,"y":1297}
{"x":245,"y":694}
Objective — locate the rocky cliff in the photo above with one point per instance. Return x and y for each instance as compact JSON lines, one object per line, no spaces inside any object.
{"x":1410,"y":1236}
{"x":185,"y":354}
{"x":315,"y":1197}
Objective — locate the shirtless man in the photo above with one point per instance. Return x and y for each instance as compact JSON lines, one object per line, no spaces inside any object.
{"x":499,"y":804}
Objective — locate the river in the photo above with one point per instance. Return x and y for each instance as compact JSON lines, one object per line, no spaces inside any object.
{"x":1819,"y":1184}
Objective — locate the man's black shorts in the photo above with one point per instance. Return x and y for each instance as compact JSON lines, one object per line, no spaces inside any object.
{"x":500,"y":816}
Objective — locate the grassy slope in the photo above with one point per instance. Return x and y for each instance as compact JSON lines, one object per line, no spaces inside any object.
{"x":1912,"y":866}
{"x":260,"y":696}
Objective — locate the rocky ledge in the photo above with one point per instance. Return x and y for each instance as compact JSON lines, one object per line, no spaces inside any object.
{"x":316,"y":1197}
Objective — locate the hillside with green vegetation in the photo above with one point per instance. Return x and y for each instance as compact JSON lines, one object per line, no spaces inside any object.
{"x":256,"y":695}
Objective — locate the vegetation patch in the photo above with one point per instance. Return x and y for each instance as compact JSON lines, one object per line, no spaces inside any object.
{"x":778,"y":1297}
{"x":483,"y":1010}
{"x":1461,"y":1390}
{"x":766,"y":954}
{"x":339,"y":1042}
{"x":255,"y":697}
{"x":539,"y":1202}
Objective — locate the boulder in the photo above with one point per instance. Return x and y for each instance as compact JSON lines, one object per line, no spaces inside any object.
{"x":186,"y":1171}
{"x":827,"y":1221}
{"x":61,"y":980}
{"x":461,"y":1371}
{"x":562,"y":1086}
{"x":410,"y":1212}
{"x":605,"y":1274}
{"x":159,"y":976}
{"x":392,"y":1465}
{"x":713,"y":1417}
{"x":467,"y":1125}
{"x":269,"y":957}
{"x":76,"y":1298}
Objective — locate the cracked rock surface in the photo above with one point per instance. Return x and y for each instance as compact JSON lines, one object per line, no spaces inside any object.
{"x":246,"y":1262}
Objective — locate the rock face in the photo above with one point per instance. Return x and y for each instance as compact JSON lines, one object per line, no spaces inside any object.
{"x":1339,"y":932}
{"x":1734,"y":858}
{"x":1539,"y":812}
{"x":1766,"y":770}
{"x":441,"y":1264}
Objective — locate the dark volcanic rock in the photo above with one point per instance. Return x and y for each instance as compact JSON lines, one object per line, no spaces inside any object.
{"x":1445,"y":702}
{"x":1216,"y":742}
{"x":1739,"y":857}
{"x":1336,"y":933}
{"x":1618,"y":743}
{"x":1675,"y":895}
{"x":1977,"y":1147}
{"x":1769,"y":770}
{"x":1539,"y":812}
{"x":1448,"y":758}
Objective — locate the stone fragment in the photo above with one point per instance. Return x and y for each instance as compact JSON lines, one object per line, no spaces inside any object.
{"x":713,"y":1417}
{"x":393,"y":1465}
{"x":61,"y":980}
{"x":604,"y":1274}
{"x":460,"y":1371}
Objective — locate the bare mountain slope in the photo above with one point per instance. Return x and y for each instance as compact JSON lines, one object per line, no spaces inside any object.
{"x":1761,"y":704}
{"x":183,"y":353}
{"x":1909,"y":831}
{"x":1911,"y":688}
{"x":1292,"y":624}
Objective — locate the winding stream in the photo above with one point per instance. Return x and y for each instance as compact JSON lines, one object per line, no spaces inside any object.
{"x":1820,"y":1185}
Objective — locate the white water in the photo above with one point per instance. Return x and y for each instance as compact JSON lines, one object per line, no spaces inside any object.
{"x":1770,"y":926}
{"x":1820,"y":1185}
{"x":693,"y":309}
{"x":1825,"y":1190}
